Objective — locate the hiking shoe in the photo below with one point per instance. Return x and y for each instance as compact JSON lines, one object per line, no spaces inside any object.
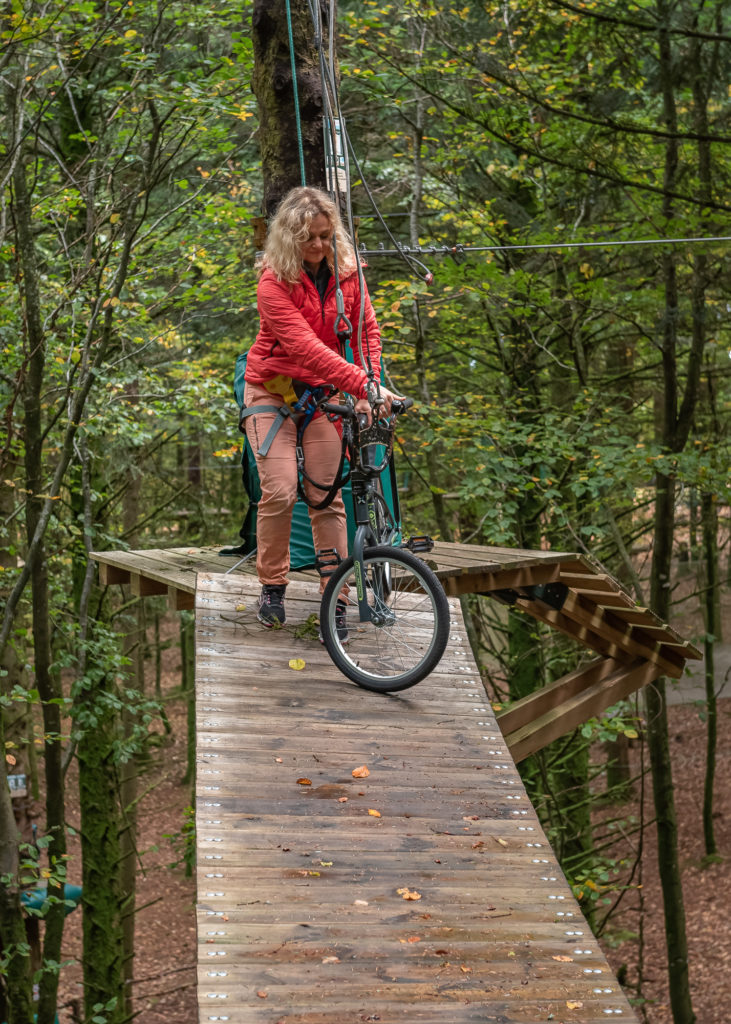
{"x":271,"y":606}
{"x":341,"y":625}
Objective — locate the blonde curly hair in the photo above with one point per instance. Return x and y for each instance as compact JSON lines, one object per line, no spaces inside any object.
{"x":290,"y":229}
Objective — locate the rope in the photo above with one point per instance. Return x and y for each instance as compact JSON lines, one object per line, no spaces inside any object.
{"x":300,"y":147}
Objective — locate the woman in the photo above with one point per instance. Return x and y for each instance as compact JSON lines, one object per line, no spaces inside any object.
{"x":297,"y":347}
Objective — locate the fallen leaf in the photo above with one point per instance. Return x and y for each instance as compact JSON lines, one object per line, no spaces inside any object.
{"x":407,"y":894}
{"x":361,"y":903}
{"x":374,"y":814}
{"x":360,"y":773}
{"x":465,"y":970}
{"x":574,"y":1004}
{"x":240,"y":607}
{"x":331,"y":959}
{"x":342,"y":799}
{"x":511,"y":953}
{"x":563,"y":959}
{"x":278,"y":760}
{"x":414,"y":938}
{"x":262,"y":994}
{"x":476,"y":846}
{"x":501,"y":841}
{"x":326,"y":863}
{"x":471,"y":817}
{"x":304,"y":782}
{"x":297,"y":663}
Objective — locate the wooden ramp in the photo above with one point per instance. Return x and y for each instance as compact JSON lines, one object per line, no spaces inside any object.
{"x":425,"y":892}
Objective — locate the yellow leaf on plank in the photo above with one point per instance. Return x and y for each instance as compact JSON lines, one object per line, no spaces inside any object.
{"x":374,"y":814}
{"x":563,"y":959}
{"x":574,"y":1004}
{"x":408,"y":894}
{"x":360,"y":773}
{"x":304,"y":782}
{"x":297,"y":664}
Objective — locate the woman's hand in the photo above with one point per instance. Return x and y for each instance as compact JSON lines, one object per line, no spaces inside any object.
{"x":386,"y":399}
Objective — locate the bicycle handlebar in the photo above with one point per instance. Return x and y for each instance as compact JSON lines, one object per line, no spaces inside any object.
{"x":398,"y":406}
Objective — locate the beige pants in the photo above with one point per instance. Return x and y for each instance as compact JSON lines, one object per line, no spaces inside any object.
{"x":278,"y":478}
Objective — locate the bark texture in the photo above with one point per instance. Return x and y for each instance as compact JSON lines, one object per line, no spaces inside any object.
{"x":273,"y":88}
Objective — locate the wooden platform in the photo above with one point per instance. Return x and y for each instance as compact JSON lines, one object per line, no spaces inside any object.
{"x":562,"y":590}
{"x":596,"y":611}
{"x":425,"y":892}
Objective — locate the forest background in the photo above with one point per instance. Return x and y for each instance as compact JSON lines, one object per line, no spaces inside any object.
{"x":569,"y":395}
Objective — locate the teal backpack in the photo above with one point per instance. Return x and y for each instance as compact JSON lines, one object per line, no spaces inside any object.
{"x":301,"y":546}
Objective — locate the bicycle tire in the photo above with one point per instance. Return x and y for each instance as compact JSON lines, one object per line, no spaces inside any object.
{"x":405,"y":647}
{"x":385,"y":527}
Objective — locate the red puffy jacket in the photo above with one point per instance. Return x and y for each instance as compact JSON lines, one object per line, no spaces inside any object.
{"x":297,"y":338}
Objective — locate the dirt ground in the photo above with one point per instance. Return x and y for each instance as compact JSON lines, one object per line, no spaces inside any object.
{"x":164,"y":988}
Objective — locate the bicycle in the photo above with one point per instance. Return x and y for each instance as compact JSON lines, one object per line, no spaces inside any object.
{"x":403,"y":614}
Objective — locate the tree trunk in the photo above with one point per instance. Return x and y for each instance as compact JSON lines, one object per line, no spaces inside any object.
{"x":671,"y":439}
{"x":16,"y":990}
{"x":100,"y":829}
{"x":279,"y":138}
{"x":134,"y":650}
{"x":710,"y":558}
{"x":46,"y":680}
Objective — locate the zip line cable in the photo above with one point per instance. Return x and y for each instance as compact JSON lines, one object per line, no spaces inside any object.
{"x":295,"y":91}
{"x":456,"y":250}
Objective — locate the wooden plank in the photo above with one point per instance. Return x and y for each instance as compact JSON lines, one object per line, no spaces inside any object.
{"x":482,"y":582}
{"x":584,"y":635}
{"x":109,"y":574}
{"x":541,"y":701}
{"x":145,"y":586}
{"x":623,"y":634}
{"x":180,"y":600}
{"x":605,"y":599}
{"x":301,"y":889}
{"x":589,"y":581}
{"x":567,"y":716}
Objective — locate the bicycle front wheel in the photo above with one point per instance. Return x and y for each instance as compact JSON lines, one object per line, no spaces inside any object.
{"x":409,"y":625}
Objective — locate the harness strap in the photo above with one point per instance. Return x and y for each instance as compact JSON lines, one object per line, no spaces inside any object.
{"x":283,"y":412}
{"x":304,"y":409}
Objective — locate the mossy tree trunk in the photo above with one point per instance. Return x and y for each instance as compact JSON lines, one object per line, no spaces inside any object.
{"x":15,"y":983}
{"x":273,"y":88}
{"x":101,"y":856}
{"x":46,"y":679}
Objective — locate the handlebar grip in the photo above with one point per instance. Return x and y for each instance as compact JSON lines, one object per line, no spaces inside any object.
{"x":401,"y":405}
{"x":338,"y":410}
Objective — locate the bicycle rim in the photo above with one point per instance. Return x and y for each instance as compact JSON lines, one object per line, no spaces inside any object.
{"x":412,"y":627}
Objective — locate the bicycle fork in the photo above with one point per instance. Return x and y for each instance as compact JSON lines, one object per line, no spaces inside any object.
{"x":378,"y":611}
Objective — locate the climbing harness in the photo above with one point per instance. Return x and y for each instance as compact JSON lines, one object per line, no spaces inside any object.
{"x":302,"y":413}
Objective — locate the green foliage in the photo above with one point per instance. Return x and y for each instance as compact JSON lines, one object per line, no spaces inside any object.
{"x":536,"y":370}
{"x":183,"y":843}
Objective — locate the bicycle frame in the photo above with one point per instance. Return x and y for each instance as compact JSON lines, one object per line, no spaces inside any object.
{"x":365,"y":469}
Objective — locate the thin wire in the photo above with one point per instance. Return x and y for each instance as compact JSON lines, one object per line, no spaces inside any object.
{"x":451,"y":250}
{"x":296,"y":95}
